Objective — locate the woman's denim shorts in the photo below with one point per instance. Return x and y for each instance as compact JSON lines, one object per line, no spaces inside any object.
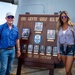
{"x":69,"y":50}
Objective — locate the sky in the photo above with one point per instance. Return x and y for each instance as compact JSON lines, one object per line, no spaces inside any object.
{"x":4,"y":8}
{"x":8,"y":7}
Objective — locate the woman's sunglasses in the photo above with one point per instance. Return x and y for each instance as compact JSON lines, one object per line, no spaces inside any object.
{"x":63,"y":17}
{"x":10,"y":17}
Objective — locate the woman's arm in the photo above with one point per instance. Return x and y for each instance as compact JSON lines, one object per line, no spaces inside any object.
{"x":58,"y":44}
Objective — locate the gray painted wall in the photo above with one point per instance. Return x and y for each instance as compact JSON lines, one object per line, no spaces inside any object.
{"x":45,"y":7}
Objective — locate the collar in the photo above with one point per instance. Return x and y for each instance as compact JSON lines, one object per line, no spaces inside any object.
{"x":6,"y":25}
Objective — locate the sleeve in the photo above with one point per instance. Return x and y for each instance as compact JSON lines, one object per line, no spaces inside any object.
{"x":18,"y":36}
{"x":0,"y":29}
{"x":74,"y":40}
{"x":17,"y":32}
{"x":58,"y":44}
{"x":74,"y":32}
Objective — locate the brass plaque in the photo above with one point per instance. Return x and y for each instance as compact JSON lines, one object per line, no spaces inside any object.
{"x":43,"y":18}
{"x":32,"y":18}
{"x":56,"y":19}
{"x":45,"y":57}
{"x":30,"y":55}
{"x":23,"y":18}
{"x":48,"y":57}
{"x":36,"y":56}
{"x":52,"y":19}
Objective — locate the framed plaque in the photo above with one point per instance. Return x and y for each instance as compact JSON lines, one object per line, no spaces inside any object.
{"x":23,"y":47}
{"x":36,"y":49}
{"x":55,"y":51}
{"x":37,"y":39}
{"x":25,"y":33}
{"x":38,"y":27}
{"x":30,"y":48}
{"x":42,"y":49}
{"x":48,"y":50}
{"x":50,"y":35}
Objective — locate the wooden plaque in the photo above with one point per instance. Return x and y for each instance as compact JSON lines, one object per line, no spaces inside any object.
{"x":42,"y":34}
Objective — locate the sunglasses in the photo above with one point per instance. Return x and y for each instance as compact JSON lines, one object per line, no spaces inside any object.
{"x":10,"y":17}
{"x":63,"y":17}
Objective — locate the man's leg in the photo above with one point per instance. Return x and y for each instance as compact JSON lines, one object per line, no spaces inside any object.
{"x":3,"y":62}
{"x":10,"y":61}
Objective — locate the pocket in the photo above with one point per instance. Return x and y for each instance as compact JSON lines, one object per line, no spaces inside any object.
{"x":1,"y":50}
{"x":71,"y":48}
{"x":13,"y":36}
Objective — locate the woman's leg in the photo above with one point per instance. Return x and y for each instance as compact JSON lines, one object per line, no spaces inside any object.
{"x":69,"y":63}
{"x":63,"y":58}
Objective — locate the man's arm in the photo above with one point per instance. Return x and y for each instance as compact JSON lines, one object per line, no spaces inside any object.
{"x":18,"y":44}
{"x":18,"y":47}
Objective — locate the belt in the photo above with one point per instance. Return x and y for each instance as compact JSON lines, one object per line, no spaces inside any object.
{"x":10,"y":47}
{"x":67,"y":45}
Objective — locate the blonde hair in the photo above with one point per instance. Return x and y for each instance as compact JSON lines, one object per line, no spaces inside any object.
{"x":60,"y":23}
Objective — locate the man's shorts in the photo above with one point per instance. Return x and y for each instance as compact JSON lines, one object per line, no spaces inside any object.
{"x":69,"y":50}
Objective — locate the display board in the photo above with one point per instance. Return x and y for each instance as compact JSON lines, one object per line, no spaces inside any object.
{"x":38,"y":40}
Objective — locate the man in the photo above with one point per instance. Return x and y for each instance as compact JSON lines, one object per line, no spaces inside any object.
{"x":9,"y":37}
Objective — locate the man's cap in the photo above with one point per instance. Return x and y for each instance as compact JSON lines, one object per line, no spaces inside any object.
{"x":9,"y":14}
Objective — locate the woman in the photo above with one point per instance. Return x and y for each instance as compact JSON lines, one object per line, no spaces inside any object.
{"x":65,"y":41}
